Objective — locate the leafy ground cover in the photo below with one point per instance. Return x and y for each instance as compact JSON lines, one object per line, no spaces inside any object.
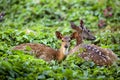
{"x":37,"y":20}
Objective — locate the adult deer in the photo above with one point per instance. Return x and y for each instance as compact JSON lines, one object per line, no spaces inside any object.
{"x":92,"y":52}
{"x":47,"y":53}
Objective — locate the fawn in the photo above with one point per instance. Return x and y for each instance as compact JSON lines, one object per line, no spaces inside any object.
{"x":92,"y":52}
{"x":47,"y":53}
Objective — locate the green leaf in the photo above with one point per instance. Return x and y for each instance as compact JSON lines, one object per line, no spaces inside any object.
{"x":28,"y":48}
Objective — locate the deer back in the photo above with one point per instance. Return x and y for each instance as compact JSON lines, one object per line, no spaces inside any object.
{"x":39,"y":50}
{"x":98,"y":55}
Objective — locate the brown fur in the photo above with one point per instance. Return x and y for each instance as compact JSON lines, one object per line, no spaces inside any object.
{"x":39,"y":50}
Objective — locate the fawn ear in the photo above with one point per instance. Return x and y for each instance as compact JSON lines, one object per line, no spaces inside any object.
{"x":82,"y":24}
{"x":74,"y":35}
{"x":73,"y":26}
{"x":58,"y":35}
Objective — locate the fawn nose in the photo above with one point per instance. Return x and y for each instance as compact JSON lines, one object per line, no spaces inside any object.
{"x":94,"y":38}
{"x":66,"y":46}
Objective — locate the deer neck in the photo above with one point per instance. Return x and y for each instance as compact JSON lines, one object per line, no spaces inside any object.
{"x":79,"y":44}
{"x":79,"y":40}
{"x":62,"y":53}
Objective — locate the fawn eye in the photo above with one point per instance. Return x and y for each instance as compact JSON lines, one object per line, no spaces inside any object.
{"x":88,"y":30}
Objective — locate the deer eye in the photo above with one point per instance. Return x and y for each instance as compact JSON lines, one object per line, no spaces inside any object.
{"x":88,"y":30}
{"x":68,"y":40}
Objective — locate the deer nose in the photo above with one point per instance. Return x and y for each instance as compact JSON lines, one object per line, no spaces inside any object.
{"x":66,"y":46}
{"x":93,"y":38}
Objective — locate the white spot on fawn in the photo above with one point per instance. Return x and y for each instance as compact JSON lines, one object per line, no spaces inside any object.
{"x":86,"y":58}
{"x":88,"y":47}
{"x":97,"y":51}
{"x":92,"y":56}
{"x":108,"y":57}
{"x":89,"y":53}
{"x":100,"y":53}
{"x":104,"y":59}
{"x":94,"y":49}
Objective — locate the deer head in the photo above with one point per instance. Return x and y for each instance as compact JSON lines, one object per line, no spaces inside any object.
{"x":85,"y":33}
{"x":65,"y":42}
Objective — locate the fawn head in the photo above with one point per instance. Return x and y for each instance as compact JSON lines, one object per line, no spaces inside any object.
{"x":65,"y":41}
{"x":85,"y":33}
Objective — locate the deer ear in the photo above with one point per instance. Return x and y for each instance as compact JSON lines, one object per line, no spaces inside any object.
{"x":74,"y":35}
{"x":81,"y":24}
{"x":73,"y":26}
{"x":58,"y":35}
